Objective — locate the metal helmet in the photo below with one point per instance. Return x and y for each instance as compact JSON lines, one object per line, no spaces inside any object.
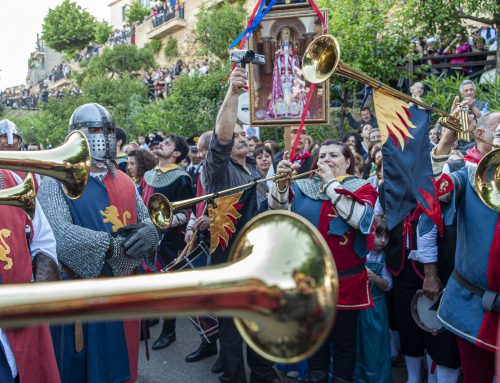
{"x":93,"y":115}
{"x":10,"y":129}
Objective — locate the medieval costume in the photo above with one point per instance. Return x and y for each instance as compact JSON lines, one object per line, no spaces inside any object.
{"x":343,"y":214}
{"x":174,"y":183}
{"x":26,"y":353}
{"x":373,"y":362}
{"x":104,"y":233}
{"x":470,"y":305}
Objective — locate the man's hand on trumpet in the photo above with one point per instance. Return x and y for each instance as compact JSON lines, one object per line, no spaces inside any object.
{"x":285,"y":168}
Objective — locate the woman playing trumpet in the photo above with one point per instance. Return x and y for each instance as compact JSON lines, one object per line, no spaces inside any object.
{"x":340,"y":205}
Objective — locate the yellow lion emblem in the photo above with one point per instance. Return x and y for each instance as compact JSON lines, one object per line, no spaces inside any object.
{"x":5,"y":249}
{"x":112,"y":216}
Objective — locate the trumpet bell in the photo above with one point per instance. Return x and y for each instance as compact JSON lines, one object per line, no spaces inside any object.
{"x":22,"y":196}
{"x":286,"y":252}
{"x":160,"y":211}
{"x":281,"y":284}
{"x":321,"y":59}
{"x":69,"y":163}
{"x":487,"y":179}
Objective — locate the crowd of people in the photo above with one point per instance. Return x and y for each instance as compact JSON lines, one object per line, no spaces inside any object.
{"x":162,"y":11}
{"x":483,"y":39}
{"x":107,"y":232}
{"x":160,"y":80}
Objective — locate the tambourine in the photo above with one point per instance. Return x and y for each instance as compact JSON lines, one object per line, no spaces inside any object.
{"x":424,"y":313}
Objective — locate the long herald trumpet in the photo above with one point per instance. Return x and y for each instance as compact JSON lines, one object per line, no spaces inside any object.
{"x":161,"y":210}
{"x":322,"y":59}
{"x":487,"y":179}
{"x":69,"y":163}
{"x":22,"y":196}
{"x":281,"y":279}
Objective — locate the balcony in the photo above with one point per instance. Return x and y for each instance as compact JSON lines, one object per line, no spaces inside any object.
{"x":168,"y":27}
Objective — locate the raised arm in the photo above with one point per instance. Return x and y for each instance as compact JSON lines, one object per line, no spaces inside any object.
{"x":227,"y":117}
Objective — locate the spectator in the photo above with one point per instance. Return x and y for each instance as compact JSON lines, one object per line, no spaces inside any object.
{"x":252,"y":144}
{"x":353,"y":140}
{"x":375,"y":135}
{"x":364,"y":132}
{"x":488,"y":33}
{"x":468,"y":94}
{"x":366,"y":118}
{"x":434,"y":136}
{"x":417,"y":90}
{"x":121,"y":157}
{"x":139,"y":162}
{"x":264,"y":159}
{"x":34,"y":147}
{"x":142,"y":141}
{"x":272,"y":145}
{"x":458,"y":45}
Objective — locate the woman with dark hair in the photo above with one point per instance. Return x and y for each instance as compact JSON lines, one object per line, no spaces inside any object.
{"x":264,"y":157}
{"x":340,"y":205}
{"x":139,"y":162}
{"x":353,"y":140}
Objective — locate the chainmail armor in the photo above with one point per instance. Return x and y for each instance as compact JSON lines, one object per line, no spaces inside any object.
{"x":84,"y":250}
{"x":159,"y":179}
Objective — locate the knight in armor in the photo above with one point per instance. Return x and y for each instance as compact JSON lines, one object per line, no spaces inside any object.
{"x":11,"y":139}
{"x":104,"y":233}
{"x":171,"y":180}
{"x":27,"y":253}
{"x":470,"y":305}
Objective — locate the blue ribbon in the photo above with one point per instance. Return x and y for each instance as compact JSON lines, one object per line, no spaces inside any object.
{"x":256,"y":21}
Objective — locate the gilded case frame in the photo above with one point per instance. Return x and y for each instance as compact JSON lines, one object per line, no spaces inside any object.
{"x":304,"y":24}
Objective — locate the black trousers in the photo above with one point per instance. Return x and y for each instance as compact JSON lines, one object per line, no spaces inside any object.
{"x":343,"y":337}
{"x":233,"y":362}
{"x":404,"y":288}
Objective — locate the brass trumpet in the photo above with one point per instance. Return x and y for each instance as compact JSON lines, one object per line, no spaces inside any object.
{"x":281,"y":279}
{"x":22,"y":196}
{"x":69,"y":163}
{"x":487,"y":179}
{"x":161,"y":210}
{"x":322,"y":59}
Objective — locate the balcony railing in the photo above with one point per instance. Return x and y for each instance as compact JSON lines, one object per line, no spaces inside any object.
{"x":170,"y":24}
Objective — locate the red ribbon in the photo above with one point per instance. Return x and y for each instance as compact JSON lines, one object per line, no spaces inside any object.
{"x":302,"y":120}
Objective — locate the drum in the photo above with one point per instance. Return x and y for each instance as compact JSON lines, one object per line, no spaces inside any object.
{"x":424,"y":313}
{"x":207,"y":326}
{"x":198,"y":257}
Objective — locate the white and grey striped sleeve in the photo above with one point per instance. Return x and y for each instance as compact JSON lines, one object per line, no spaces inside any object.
{"x":278,"y":200}
{"x":356,"y":214}
{"x":438,"y":162}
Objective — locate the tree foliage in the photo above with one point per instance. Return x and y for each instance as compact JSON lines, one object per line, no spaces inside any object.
{"x":122,"y":61}
{"x":191,"y":106}
{"x":216,"y":27}
{"x":68,"y":28}
{"x":102,"y":32}
{"x":442,"y":91}
{"x":49,"y":126}
{"x":171,"y":48}
{"x":136,"y":12}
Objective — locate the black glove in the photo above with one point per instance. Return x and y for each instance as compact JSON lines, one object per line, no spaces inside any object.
{"x":141,"y":241}
{"x":45,"y":269}
{"x":125,"y":231}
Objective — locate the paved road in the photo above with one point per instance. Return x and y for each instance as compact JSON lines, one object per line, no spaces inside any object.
{"x":168,"y":365}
